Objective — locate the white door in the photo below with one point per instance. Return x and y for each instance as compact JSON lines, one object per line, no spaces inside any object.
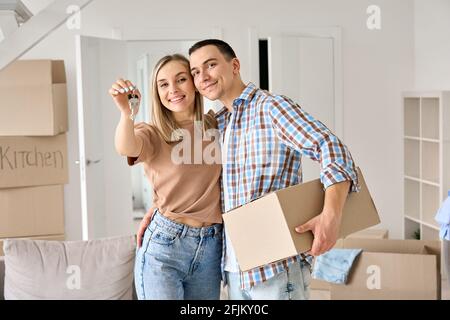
{"x":142,"y":190}
{"x":302,"y":68}
{"x":108,"y":184}
{"x":105,"y":178}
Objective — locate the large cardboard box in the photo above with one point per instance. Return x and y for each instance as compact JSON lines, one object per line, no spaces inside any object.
{"x":33,"y":98}
{"x":392,"y":270}
{"x":52,"y":237}
{"x":33,"y":161}
{"x":263,"y":231}
{"x":31,"y":211}
{"x":370,"y":234}
{"x":363,"y":234}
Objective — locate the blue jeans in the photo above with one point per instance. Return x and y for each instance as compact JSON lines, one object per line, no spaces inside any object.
{"x":177,"y":262}
{"x":291,"y":284}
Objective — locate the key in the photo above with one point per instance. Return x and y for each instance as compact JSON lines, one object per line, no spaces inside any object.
{"x":133,"y":102}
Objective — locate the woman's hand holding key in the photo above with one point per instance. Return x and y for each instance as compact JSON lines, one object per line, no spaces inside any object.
{"x":126,"y":96}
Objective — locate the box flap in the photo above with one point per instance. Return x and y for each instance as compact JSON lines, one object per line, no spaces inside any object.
{"x":33,"y":72}
{"x":433,"y":247}
{"x":394,"y":245}
{"x":58,"y":71}
{"x":60,"y":115}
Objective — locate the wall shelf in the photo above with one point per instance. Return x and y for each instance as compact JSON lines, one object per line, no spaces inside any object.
{"x":426,"y":151}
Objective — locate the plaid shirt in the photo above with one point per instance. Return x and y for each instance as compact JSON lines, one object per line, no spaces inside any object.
{"x":269,"y":134}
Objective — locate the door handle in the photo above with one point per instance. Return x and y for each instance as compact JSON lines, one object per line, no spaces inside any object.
{"x":89,"y":161}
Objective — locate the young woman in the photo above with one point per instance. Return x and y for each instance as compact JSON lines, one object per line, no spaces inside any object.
{"x":179,"y":255}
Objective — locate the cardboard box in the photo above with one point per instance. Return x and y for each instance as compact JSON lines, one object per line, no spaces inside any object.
{"x":33,"y":98}
{"x":263,"y":231}
{"x":33,"y":161}
{"x":31,"y":211}
{"x":363,"y":234}
{"x":55,"y":237}
{"x":391,"y":270}
{"x":370,"y":234}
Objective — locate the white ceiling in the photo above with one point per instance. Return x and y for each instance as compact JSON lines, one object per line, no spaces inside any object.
{"x":36,"y":28}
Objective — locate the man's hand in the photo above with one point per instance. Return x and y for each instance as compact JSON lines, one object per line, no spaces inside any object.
{"x":325,"y":228}
{"x":142,"y":227}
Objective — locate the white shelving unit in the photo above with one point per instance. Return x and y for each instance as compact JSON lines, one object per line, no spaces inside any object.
{"x":426,"y":147}
{"x":426,"y":130}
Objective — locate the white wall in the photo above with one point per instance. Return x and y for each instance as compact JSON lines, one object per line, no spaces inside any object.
{"x":8,"y":23}
{"x":35,"y":6}
{"x":61,"y":45}
{"x":378,"y":65}
{"x":432,"y":44}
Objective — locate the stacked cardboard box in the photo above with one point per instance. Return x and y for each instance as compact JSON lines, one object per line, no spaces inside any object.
{"x":33,"y":149}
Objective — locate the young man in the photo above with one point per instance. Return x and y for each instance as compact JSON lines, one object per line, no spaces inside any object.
{"x":265,"y":136}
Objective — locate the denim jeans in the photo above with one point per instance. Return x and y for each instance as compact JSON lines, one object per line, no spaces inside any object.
{"x":177,"y":262}
{"x":291,"y":284}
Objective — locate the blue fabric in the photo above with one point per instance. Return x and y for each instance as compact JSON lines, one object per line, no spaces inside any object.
{"x":334,"y":265}
{"x":443,"y":218}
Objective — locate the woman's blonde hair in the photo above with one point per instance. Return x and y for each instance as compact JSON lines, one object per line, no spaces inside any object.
{"x":162,"y":117}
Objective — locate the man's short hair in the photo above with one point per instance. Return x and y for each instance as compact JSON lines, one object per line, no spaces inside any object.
{"x":223,"y":47}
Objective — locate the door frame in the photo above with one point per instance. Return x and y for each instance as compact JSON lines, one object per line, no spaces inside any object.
{"x":334,"y":33}
{"x":137,"y":34}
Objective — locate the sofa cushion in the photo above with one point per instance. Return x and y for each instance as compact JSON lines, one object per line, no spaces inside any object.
{"x":93,"y":269}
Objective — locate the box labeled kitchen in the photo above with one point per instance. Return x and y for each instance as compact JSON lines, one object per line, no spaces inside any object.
{"x":33,"y":161}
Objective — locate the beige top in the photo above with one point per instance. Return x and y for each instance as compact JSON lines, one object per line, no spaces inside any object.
{"x":181,"y":190}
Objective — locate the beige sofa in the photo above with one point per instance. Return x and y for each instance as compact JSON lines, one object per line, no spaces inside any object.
{"x":100,"y":269}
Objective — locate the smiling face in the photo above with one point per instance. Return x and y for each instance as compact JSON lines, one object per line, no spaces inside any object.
{"x":175,"y":88}
{"x":213,"y":74}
